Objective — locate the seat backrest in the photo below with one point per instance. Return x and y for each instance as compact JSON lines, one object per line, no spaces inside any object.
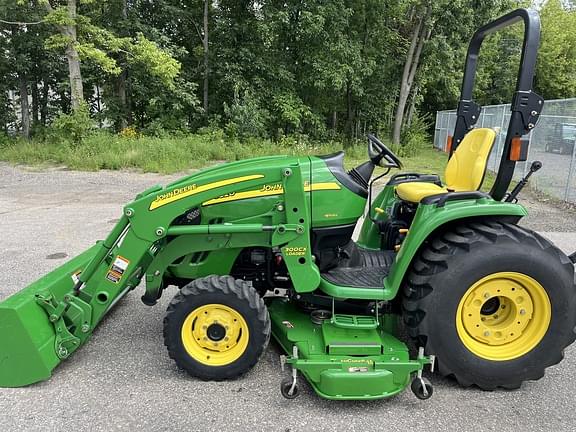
{"x":466,"y":168}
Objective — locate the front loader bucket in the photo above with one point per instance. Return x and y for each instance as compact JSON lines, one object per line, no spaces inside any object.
{"x":27,"y":337}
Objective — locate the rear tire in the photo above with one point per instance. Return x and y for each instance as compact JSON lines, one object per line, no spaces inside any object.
{"x":216,"y":328}
{"x":462,"y":269}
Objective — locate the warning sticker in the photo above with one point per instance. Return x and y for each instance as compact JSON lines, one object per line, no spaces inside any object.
{"x":112,"y":276}
{"x":75,"y":276}
{"x":117,"y":269}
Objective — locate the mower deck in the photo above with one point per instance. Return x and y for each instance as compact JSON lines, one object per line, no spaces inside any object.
{"x":344,"y":356}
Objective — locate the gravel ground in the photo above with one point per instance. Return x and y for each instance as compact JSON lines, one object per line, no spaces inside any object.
{"x":123,"y":379}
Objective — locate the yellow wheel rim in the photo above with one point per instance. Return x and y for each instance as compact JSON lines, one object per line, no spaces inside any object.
{"x":503,"y":316}
{"x":215,"y":335}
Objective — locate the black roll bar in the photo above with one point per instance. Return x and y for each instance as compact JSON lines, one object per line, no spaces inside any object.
{"x":526,"y":105}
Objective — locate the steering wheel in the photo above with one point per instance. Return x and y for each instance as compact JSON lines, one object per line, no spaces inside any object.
{"x":379,"y":153}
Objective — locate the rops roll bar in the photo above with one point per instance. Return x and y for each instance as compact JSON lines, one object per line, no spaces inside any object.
{"x":526,"y":105}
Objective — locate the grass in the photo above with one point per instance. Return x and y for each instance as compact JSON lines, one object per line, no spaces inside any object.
{"x":149,"y":154}
{"x":177,"y":154}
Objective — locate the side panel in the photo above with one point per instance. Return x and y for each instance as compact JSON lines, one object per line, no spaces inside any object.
{"x":154,"y":213}
{"x":195,"y":265}
{"x":332,"y":205}
{"x":280,"y":207}
{"x":429,"y":218}
{"x":332,"y":202}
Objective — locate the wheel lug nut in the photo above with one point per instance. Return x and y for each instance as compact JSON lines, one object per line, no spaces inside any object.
{"x":486,"y":295}
{"x":522,"y":311}
{"x":204,"y":327}
{"x":486,"y":333}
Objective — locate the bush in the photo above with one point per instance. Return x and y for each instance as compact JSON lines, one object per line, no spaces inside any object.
{"x":5,"y":140}
{"x":75,"y":126}
{"x":416,"y":137}
{"x":156,"y":129}
{"x":245,"y":117}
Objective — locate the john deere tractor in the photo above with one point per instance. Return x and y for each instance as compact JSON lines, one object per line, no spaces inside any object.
{"x":264,"y":247}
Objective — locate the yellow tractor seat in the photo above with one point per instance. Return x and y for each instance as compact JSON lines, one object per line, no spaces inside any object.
{"x":464,"y":172}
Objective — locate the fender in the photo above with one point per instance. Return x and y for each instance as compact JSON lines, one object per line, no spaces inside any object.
{"x":429,"y":218}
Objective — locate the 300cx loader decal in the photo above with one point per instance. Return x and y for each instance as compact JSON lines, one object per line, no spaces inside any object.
{"x":294,"y":251}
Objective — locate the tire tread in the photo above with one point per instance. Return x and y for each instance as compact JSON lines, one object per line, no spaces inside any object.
{"x":230,"y":287}
{"x":433,"y":260}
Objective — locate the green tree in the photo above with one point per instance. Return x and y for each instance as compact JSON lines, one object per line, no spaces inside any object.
{"x":75,"y":34}
{"x":556,"y":67}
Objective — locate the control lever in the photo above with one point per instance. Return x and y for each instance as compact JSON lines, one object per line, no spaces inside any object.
{"x":512,"y":196}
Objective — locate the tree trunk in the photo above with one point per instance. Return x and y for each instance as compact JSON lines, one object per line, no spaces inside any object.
{"x":121,"y":84}
{"x":25,"y":109}
{"x":35,"y":101}
{"x":75,"y":75}
{"x":404,"y":88}
{"x":120,"y":88}
{"x":64,"y":101}
{"x":99,"y":105}
{"x":412,"y":107}
{"x":206,"y":52}
{"x":349,"y":112}
{"x":44,"y":102}
{"x":419,"y":37}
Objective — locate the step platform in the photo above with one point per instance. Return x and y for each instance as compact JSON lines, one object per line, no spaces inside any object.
{"x":362,"y":361}
{"x":361,"y":277}
{"x":357,"y":277}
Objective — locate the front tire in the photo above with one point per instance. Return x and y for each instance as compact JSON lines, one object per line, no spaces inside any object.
{"x":216,"y":328}
{"x":493,"y":301}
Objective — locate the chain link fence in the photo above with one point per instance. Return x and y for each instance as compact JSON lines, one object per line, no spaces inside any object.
{"x":552,"y":142}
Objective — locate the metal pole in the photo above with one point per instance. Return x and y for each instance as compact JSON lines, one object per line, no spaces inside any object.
{"x":567,"y":190}
{"x":436,"y":126}
{"x":500,"y":138}
{"x":529,"y":153}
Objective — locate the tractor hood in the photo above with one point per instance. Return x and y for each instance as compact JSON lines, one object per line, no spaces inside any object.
{"x":246,"y":189}
{"x":231,"y":168}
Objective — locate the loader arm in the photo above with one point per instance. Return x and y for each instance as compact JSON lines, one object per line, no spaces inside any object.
{"x":50,"y":319}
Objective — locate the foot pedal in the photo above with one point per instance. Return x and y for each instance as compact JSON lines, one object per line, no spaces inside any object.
{"x":363,"y":322}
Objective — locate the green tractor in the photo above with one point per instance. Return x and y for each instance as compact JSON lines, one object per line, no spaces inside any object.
{"x":264,"y":247}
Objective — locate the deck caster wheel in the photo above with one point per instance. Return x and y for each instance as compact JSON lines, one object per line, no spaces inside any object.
{"x":289,"y":388}
{"x":422,"y":388}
